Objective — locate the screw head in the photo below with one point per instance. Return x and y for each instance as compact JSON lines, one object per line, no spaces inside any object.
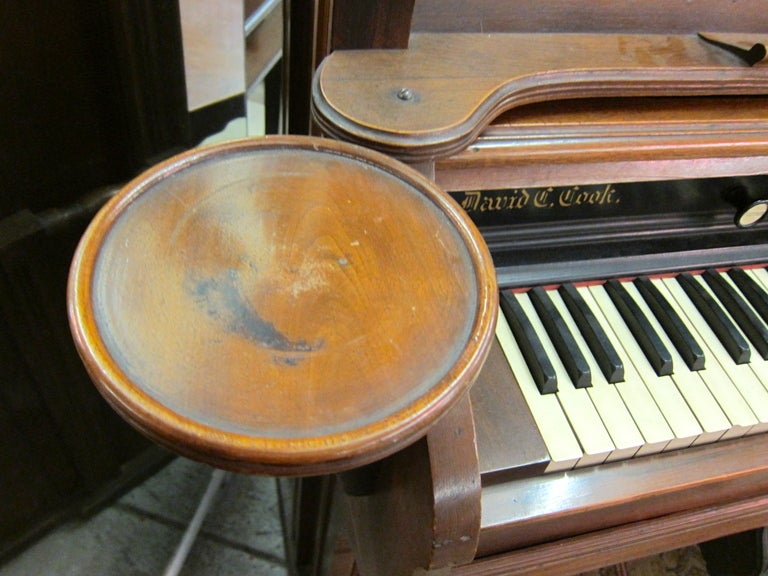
{"x":405,"y":94}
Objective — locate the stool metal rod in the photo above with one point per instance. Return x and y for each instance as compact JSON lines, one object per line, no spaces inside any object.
{"x":182,"y":551}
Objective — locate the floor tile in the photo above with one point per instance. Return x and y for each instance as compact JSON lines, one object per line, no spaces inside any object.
{"x":139,"y":534}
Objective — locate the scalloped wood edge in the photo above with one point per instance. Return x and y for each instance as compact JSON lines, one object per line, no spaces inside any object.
{"x":435,"y":98}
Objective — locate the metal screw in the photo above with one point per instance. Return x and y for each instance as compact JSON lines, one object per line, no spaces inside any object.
{"x":405,"y":94}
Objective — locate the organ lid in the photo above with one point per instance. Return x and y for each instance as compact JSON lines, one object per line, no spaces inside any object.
{"x":433,"y":99}
{"x":284,"y":305}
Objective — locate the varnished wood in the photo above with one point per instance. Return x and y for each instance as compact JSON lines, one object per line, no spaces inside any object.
{"x":508,"y":441}
{"x":435,"y":507}
{"x":657,"y":16}
{"x":620,"y":139}
{"x":315,"y":28}
{"x":400,"y":510}
{"x":433,"y":99}
{"x":523,"y":101}
{"x":378,"y":24}
{"x":627,"y":542}
{"x":285,"y":305}
{"x":565,"y":523}
{"x":457,"y":512}
{"x":616,"y":494}
{"x":547,"y":120}
{"x":415,"y":501}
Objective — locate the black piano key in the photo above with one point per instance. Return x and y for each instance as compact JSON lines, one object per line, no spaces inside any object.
{"x":535,"y":356}
{"x":752,"y":327}
{"x":569,"y":352}
{"x":725,"y":330}
{"x":678,"y":332}
{"x":752,"y":291}
{"x":653,"y":348}
{"x":602,"y":349}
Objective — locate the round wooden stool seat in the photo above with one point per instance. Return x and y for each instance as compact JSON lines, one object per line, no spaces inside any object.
{"x":283,"y":305}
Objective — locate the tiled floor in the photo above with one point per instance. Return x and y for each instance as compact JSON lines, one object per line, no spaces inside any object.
{"x":139,"y":534}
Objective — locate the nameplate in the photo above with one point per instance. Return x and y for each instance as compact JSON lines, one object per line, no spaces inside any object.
{"x":600,"y":201}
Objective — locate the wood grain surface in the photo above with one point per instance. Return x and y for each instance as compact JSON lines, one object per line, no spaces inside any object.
{"x":284,"y":305}
{"x":435,"y":97}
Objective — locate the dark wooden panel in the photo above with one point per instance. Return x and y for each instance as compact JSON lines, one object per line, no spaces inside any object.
{"x":381,"y":24}
{"x":62,"y":444}
{"x":315,"y":28}
{"x":90,"y":94}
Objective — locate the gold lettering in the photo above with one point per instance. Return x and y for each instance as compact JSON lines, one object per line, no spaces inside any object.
{"x":597,"y":197}
{"x":521,"y":200}
{"x":567,"y":197}
{"x":542,"y":198}
{"x":488,"y":205}
{"x":609,"y":194}
{"x":538,"y":198}
{"x":471,"y":200}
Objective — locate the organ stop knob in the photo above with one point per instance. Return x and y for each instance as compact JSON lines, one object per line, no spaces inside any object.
{"x":750,"y":207}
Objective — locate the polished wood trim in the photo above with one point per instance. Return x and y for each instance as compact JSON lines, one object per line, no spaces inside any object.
{"x":315,"y":28}
{"x":508,"y":441}
{"x":529,"y":512}
{"x":457,"y":511}
{"x":435,"y":98}
{"x":560,"y":523}
{"x":626,"y":542}
{"x":420,"y":513}
{"x":614,"y":140}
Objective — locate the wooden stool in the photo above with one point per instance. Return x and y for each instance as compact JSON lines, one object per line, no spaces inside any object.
{"x":286,"y":305}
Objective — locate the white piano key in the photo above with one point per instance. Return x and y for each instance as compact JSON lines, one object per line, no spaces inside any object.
{"x":576,"y":403}
{"x":759,"y":274}
{"x":564,"y":449}
{"x":717,"y":379}
{"x":606,"y":399}
{"x":751,"y":287}
{"x":681,"y":420}
{"x":720,"y":389}
{"x":641,"y":405}
{"x":757,"y":363}
{"x":743,"y":375}
{"x":689,"y":384}
{"x":760,"y":368}
{"x":741,"y":311}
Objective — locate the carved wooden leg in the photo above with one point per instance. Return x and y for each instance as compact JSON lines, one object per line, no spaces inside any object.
{"x":311,"y":524}
{"x":422,"y":511}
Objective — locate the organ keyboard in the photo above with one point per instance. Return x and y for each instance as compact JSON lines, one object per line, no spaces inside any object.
{"x":594,"y":416}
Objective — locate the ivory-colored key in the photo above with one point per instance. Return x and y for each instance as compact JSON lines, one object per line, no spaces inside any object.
{"x":689,"y":383}
{"x":637,"y":399}
{"x":564,"y":449}
{"x":676,"y":412}
{"x":727,"y":394}
{"x":608,"y":403}
{"x":576,"y":403}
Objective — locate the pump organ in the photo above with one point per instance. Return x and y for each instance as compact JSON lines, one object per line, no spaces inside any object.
{"x":617,"y":171}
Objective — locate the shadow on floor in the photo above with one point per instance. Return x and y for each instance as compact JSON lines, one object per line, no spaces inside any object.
{"x":139,"y":534}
